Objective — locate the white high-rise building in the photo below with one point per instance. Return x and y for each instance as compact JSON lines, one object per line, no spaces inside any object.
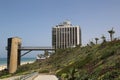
{"x":66,"y":35}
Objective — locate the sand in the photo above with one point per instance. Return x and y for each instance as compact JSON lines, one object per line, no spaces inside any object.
{"x":27,"y":62}
{"x":2,"y":67}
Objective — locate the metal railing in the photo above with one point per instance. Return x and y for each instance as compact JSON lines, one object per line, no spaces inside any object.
{"x":27,"y":77}
{"x":36,"y":48}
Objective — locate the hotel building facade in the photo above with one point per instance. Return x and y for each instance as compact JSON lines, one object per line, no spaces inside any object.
{"x":65,"y":35}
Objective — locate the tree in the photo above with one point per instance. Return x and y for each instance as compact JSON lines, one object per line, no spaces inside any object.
{"x":96,"y":39}
{"x":111,"y":32}
{"x":103,"y":38}
{"x":91,"y":43}
{"x":46,"y":54}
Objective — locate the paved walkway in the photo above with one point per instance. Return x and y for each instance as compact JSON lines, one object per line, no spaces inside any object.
{"x":46,"y":77}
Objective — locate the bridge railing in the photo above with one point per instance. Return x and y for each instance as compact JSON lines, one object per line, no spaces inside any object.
{"x":35,"y":48}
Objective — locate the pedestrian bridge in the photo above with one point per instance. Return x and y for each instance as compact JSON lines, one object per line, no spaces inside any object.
{"x":31,"y":48}
{"x":14,"y":55}
{"x":24,"y":48}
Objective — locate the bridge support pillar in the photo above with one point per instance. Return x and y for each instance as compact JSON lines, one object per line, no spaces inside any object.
{"x":19,"y":57}
{"x":13,"y":59}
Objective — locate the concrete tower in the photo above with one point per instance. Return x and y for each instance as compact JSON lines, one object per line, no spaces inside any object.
{"x":13,"y":59}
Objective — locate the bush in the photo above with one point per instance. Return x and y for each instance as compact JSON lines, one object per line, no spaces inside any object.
{"x":64,"y":76}
{"x":44,"y":71}
{"x":107,"y":54}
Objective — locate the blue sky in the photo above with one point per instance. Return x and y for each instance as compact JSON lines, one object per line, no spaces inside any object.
{"x":32,"y":20}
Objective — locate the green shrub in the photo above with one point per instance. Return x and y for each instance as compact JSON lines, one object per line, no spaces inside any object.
{"x":117,"y":65}
{"x":107,"y":54}
{"x":64,"y":76}
{"x":110,"y":75}
{"x":44,"y":71}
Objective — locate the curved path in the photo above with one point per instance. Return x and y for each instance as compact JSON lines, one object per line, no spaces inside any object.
{"x":46,"y":77}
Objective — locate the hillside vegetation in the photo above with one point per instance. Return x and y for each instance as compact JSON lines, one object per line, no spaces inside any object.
{"x":91,"y":62}
{"x":96,"y":62}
